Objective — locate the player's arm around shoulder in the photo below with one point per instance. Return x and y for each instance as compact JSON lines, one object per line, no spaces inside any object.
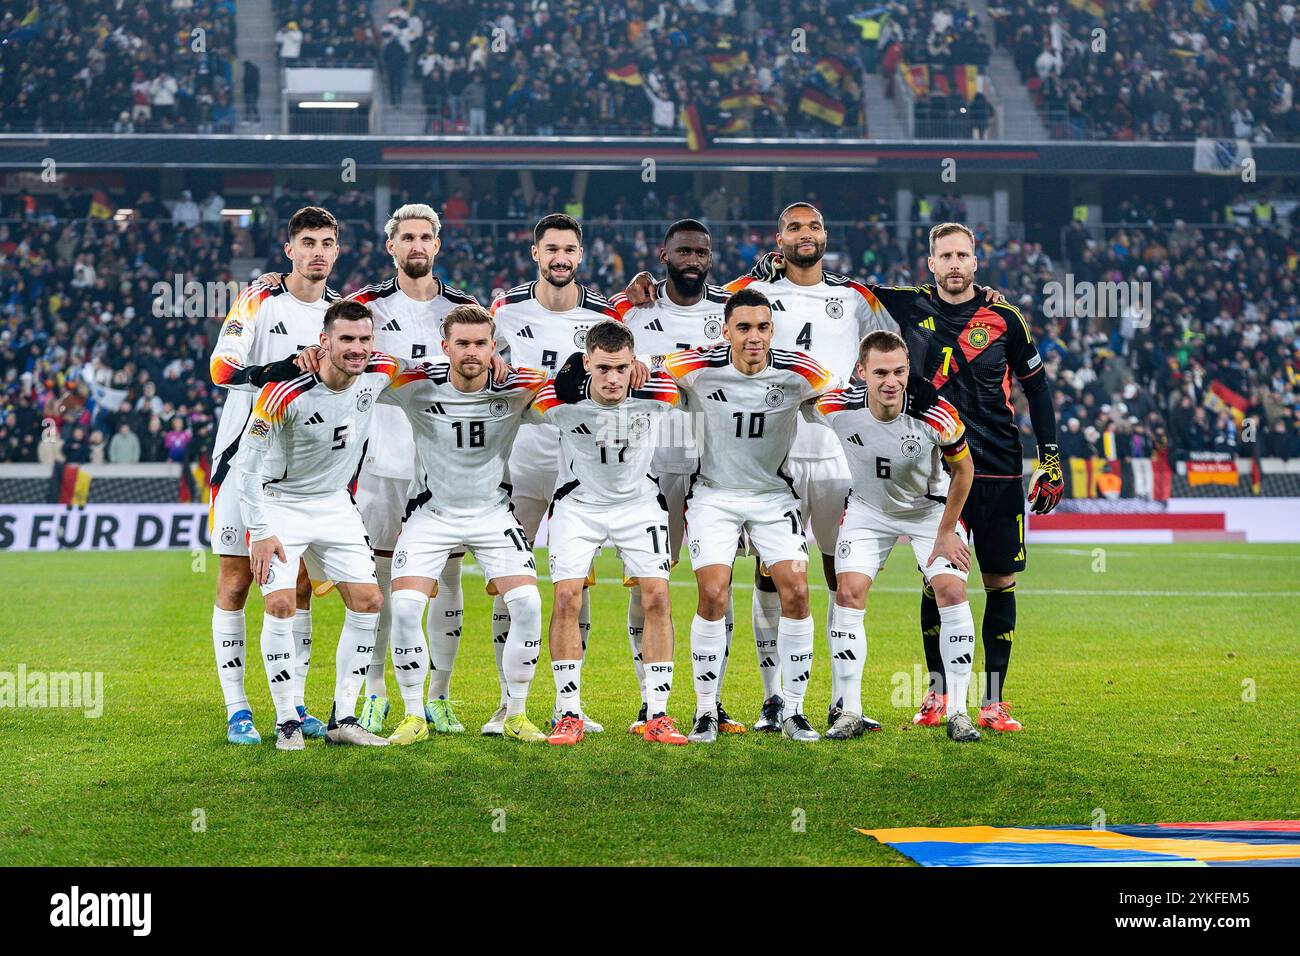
{"x":820,"y":409}
{"x":228,"y":364}
{"x":812,"y":378}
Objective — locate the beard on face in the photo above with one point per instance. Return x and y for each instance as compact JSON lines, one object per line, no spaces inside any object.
{"x":561,"y":281}
{"x":803,"y":261}
{"x":965,"y":283}
{"x":686,"y":286}
{"x":417,"y":269}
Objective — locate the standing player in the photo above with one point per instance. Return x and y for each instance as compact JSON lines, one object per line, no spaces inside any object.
{"x":300,"y":455}
{"x":685,"y":312}
{"x":464,"y":425}
{"x":893,"y":429}
{"x":607,"y":441}
{"x":746,"y":395}
{"x":537,"y":325}
{"x":968,"y":349}
{"x":266,"y":324}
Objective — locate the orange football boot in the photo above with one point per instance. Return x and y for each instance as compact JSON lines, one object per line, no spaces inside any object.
{"x":567,"y":732}
{"x":998,"y":717}
{"x":933,"y":707}
{"x":662,"y":730}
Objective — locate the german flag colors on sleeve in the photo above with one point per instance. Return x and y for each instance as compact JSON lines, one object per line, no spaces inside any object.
{"x":660,"y":387}
{"x":235,"y":343}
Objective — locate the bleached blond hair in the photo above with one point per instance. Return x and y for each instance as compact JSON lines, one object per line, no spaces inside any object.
{"x":412,"y":210}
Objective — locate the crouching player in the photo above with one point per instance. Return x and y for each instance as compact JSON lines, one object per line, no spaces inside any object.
{"x":464,"y":425}
{"x":894,"y":430}
{"x":605,"y":492}
{"x":301,"y":451}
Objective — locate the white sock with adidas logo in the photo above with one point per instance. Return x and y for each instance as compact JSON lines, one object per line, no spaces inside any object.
{"x":848,"y":640}
{"x":277,"y":655}
{"x":568,"y":686}
{"x":957,"y":640}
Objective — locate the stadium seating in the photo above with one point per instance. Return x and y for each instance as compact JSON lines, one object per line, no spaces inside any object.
{"x":134,"y":68}
{"x":1158,"y":71}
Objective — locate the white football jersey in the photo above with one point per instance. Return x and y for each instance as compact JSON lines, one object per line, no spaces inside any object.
{"x":895,"y":464}
{"x":532,"y":336}
{"x":305,"y":440}
{"x":266,"y":324}
{"x":746,"y":423}
{"x":606,"y":450}
{"x":826,"y":321}
{"x":463,"y":439}
{"x":411,"y":330}
{"x":661,"y":327}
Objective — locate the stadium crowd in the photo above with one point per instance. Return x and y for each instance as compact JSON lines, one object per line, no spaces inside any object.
{"x":95,"y":366}
{"x":132,"y":68}
{"x":1158,"y":71}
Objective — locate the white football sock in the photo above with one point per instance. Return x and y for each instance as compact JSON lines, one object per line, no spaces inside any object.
{"x":228,"y":640}
{"x":636,"y":635}
{"x":446,"y":614}
{"x":352,"y":658}
{"x":523,"y":644}
{"x":729,"y":616}
{"x":568,"y":687}
{"x":794,"y":639}
{"x":957,"y":641}
{"x":848,"y":640}
{"x":302,"y":654}
{"x":584,"y":619}
{"x":708,"y":645}
{"x":765,"y":611}
{"x":500,"y":631}
{"x":277,"y":654}
{"x":659,"y":684}
{"x":410,"y":659}
{"x":383,"y":633}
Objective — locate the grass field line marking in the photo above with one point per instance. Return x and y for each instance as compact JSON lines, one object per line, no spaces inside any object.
{"x":474,"y":569}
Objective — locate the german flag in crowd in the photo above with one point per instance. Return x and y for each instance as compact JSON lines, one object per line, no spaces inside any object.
{"x":918,"y":78}
{"x":628,"y":73}
{"x":966,"y":80}
{"x":728,"y":61}
{"x":832,"y":69}
{"x":100,"y":205}
{"x":825,"y":108}
{"x":689,"y":117}
{"x":740,"y":101}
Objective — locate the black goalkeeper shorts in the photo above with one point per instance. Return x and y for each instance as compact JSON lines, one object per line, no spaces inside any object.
{"x":994,"y":517}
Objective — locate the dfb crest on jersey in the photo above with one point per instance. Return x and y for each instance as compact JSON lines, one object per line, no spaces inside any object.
{"x":775,"y":397}
{"x":498,"y":407}
{"x":835,"y":308}
{"x":580,"y":339}
{"x":712,"y":328}
{"x":911,"y":446}
{"x":978,"y":337}
{"x":399,"y":559}
{"x":639,"y":425}
{"x":695,"y":548}
{"x":228,"y":536}
{"x":844,"y":549}
{"x":364,"y":401}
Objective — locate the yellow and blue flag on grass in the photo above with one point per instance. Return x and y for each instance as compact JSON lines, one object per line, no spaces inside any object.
{"x":1232,"y":843}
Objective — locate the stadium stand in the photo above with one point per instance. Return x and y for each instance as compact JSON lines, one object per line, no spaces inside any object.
{"x":130,"y":68}
{"x":1167,"y":71}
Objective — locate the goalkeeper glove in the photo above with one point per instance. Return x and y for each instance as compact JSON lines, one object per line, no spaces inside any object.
{"x":769,"y":267}
{"x":1046,"y":485}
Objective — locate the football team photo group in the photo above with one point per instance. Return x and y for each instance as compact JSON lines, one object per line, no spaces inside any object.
{"x":412,"y":427}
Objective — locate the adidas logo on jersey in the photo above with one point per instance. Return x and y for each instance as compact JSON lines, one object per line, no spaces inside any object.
{"x":718,"y":396}
{"x":436,"y":409}
{"x":315,"y":420}
{"x":392,"y":326}
{"x":279,"y":329}
{"x":581,"y":430}
{"x":655,"y":326}
{"x":856,"y":439}
{"x":777,"y":306}
{"x":525,"y":333}
{"x":927,"y":323}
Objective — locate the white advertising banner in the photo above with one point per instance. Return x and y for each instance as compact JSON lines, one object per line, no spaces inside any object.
{"x":127,"y":527}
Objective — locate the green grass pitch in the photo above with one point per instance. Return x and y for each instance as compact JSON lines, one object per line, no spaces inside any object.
{"x":1161,"y":688}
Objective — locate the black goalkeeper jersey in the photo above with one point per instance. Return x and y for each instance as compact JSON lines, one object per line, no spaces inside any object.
{"x":969,"y":353}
